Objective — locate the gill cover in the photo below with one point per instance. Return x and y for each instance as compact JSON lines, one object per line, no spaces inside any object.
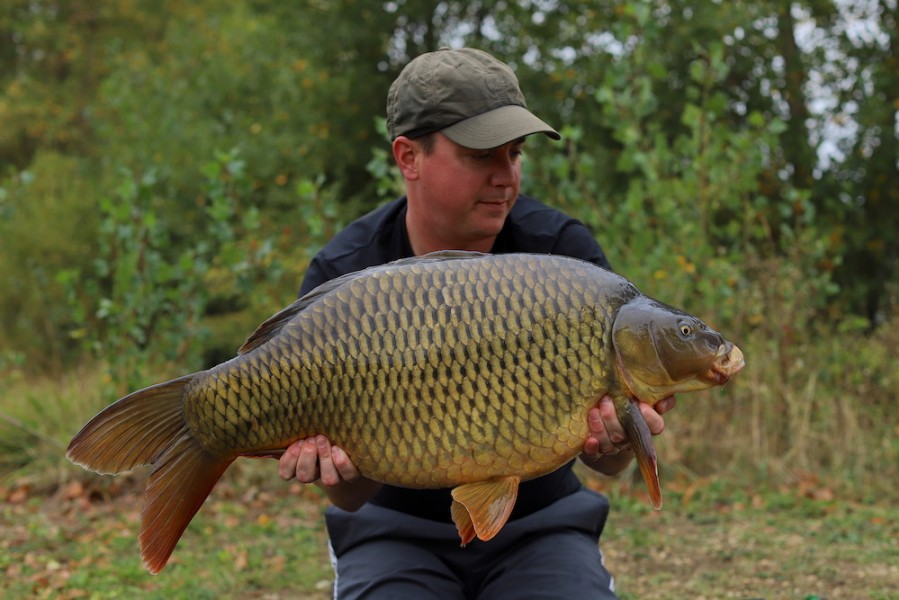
{"x":661,"y":350}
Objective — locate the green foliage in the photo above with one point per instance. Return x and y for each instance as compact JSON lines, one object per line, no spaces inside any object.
{"x":139,"y":304}
{"x":298,"y":110}
{"x":160,"y":86}
{"x":689,"y":223}
{"x":53,"y":57}
{"x":389,"y":183}
{"x":46,"y":224}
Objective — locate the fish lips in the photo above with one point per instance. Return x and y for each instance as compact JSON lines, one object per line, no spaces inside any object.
{"x":728,"y":362}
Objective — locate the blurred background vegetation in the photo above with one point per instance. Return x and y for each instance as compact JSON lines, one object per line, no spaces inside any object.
{"x":168,"y":168}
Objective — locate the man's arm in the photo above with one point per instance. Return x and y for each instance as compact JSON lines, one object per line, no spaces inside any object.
{"x":575,"y":240}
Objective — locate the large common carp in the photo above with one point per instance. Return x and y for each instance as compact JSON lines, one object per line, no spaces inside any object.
{"x":454,"y":369}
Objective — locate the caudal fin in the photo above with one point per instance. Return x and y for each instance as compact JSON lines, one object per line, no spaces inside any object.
{"x":147,"y":428}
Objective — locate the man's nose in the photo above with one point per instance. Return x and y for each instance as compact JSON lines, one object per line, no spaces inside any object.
{"x":505,"y":171}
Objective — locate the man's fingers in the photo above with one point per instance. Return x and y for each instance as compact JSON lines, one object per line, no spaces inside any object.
{"x":665,"y":404}
{"x":615,"y":434}
{"x":592,"y":445}
{"x":606,"y":434}
{"x":594,"y":422}
{"x":307,"y":462}
{"x":654,"y":420}
{"x":344,"y":465}
{"x":287,"y":463}
{"x":327,"y":470}
{"x":313,"y":459}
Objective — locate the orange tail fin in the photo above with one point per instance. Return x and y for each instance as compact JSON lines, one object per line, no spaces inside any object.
{"x":147,"y":428}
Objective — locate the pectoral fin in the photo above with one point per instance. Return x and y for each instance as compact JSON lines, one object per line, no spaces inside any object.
{"x":481,"y":509}
{"x":641,"y":441}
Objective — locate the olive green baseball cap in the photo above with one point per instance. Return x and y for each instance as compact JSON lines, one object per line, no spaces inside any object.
{"x":466,"y":94}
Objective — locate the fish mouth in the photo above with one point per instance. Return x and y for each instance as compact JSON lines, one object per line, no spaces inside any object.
{"x":728,"y":362}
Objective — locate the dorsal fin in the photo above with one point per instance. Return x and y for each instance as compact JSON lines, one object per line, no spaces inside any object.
{"x":273,"y":325}
{"x":439,"y":255}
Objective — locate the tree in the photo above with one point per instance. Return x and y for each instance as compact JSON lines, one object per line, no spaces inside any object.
{"x":867,"y":181}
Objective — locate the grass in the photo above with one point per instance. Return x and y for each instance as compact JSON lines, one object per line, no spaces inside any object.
{"x":258,"y":537}
{"x":82,"y":543}
{"x":781,"y":545}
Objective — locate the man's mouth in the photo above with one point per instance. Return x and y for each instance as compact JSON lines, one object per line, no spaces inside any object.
{"x":495,"y":201}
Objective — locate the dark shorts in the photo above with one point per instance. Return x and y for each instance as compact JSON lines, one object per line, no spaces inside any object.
{"x":552,"y":553}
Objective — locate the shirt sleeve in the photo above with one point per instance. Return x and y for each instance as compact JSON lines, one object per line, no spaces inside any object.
{"x":576,"y":241}
{"x":317,"y":273}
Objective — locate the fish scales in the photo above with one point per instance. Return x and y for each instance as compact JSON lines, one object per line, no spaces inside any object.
{"x":459,"y":363}
{"x":450,"y":370}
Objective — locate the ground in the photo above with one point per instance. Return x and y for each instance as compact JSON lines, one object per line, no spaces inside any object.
{"x":265,"y":540}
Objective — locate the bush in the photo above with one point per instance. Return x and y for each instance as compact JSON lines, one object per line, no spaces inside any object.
{"x":138,"y":305}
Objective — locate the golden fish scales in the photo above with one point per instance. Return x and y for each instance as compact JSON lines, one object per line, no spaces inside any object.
{"x":427,"y":377}
{"x":450,"y":370}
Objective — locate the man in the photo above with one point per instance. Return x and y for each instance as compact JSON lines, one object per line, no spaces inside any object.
{"x":458,"y":122}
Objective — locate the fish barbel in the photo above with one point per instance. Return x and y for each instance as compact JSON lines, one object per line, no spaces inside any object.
{"x":454,"y":369}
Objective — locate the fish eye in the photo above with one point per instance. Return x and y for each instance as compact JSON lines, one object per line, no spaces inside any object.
{"x":685,"y":329}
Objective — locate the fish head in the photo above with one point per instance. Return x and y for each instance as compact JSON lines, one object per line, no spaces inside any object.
{"x":661,"y":350}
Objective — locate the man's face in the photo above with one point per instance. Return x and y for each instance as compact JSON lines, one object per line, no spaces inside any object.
{"x":466,"y":194}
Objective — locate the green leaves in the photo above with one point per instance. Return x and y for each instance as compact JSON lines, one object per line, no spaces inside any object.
{"x":141,"y":304}
{"x":683,"y":121}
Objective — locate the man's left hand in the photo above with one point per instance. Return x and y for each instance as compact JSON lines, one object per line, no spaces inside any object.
{"x":607,"y":435}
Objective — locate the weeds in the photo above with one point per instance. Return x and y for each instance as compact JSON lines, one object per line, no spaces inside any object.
{"x":38,"y":416}
{"x":268,"y":541}
{"x":78,"y":544}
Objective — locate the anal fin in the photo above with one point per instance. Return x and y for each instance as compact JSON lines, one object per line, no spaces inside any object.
{"x":482,"y":508}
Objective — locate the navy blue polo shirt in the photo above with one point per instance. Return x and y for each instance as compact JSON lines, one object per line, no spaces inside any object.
{"x":380,"y":237}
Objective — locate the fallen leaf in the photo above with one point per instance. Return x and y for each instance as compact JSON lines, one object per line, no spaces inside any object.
{"x":72,"y":490}
{"x":276,"y":563}
{"x":18,"y":496}
{"x":240,"y":561}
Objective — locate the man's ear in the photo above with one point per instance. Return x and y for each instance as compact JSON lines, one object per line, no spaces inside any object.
{"x":405,"y":153}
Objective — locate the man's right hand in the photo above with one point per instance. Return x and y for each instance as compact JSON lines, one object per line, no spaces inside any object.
{"x":313,"y":459}
{"x":316,"y":460}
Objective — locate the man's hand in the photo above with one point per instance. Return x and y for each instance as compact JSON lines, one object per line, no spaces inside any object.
{"x":607,"y":449}
{"x":316,"y":460}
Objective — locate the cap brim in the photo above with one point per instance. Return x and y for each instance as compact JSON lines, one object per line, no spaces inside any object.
{"x":497,"y":127}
